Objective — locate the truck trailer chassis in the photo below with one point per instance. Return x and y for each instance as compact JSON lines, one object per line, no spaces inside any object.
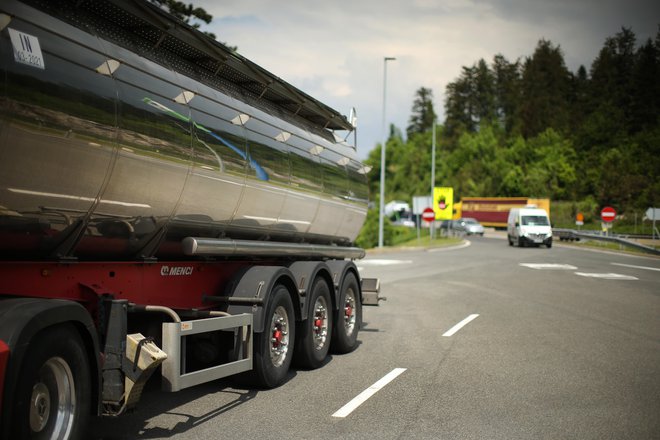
{"x":218,"y":315}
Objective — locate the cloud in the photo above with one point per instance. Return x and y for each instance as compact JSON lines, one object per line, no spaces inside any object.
{"x":334,"y":51}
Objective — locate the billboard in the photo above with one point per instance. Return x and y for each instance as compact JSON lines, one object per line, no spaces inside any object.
{"x":443,"y":203}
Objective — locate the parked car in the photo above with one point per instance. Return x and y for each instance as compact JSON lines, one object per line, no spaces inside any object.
{"x":448,"y":224}
{"x":468,"y":225}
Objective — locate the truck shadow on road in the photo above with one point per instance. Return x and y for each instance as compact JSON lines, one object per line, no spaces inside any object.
{"x":365,"y":328}
{"x":163,"y":415}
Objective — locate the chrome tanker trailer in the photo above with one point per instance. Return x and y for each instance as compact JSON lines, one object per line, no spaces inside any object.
{"x":166,"y":206}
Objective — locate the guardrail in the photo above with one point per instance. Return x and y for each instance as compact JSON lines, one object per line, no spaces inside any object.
{"x":572,"y":235}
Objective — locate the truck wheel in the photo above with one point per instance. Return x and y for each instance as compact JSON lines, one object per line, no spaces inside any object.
{"x":314,"y":333}
{"x":508,"y":237}
{"x":53,"y":392}
{"x":521,"y":242}
{"x":273,"y":348}
{"x":349,"y":316}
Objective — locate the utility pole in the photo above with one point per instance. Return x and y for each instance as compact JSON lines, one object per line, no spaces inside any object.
{"x":433,"y":176}
{"x":382,"y":156}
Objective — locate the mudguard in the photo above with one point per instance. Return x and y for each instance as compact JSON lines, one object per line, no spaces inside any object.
{"x":305,"y":272}
{"x":256,"y":283}
{"x":20,"y":320}
{"x":339,"y":269}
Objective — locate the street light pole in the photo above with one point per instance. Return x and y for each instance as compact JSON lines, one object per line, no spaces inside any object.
{"x":432,"y":229}
{"x":382,"y":157}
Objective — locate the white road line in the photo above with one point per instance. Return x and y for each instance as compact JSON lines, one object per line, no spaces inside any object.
{"x":636,"y":267}
{"x":460,"y":325}
{"x":607,"y":276}
{"x":465,"y":244}
{"x":380,"y":262}
{"x":366,"y":394}
{"x":549,"y":266}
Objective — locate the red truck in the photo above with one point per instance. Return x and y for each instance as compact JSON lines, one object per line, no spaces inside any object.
{"x":167,"y":206}
{"x":494,"y":211}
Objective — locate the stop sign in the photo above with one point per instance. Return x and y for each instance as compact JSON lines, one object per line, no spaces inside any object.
{"x":428,"y":215}
{"x":607,"y":214}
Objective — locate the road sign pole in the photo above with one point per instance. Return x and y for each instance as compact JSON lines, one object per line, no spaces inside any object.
{"x":607,"y":215}
{"x":429,"y":216}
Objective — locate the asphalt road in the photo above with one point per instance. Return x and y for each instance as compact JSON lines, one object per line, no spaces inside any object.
{"x":565,"y":345}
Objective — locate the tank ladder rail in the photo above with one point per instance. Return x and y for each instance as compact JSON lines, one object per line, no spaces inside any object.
{"x":175,"y":375}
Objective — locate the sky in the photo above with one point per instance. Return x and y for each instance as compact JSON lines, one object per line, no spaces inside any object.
{"x":334,"y":50}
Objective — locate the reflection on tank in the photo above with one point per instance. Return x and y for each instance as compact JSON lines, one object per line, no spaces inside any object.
{"x":108,"y":163}
{"x":260,"y":172}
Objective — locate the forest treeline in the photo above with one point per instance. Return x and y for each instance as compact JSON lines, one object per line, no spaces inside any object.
{"x":531,"y":127}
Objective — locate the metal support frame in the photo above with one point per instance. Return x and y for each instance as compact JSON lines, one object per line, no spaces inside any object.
{"x":370,"y":292}
{"x":114,"y":352}
{"x":174,"y":344}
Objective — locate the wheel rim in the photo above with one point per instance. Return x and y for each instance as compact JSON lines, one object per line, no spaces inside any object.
{"x":349,"y":312}
{"x":53,"y":400}
{"x":320,"y":325}
{"x":279,"y":330}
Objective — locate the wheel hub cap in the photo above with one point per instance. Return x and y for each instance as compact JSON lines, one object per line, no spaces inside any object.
{"x":53,"y":401}
{"x":39,"y":407}
{"x":349,"y":312}
{"x":279,"y":341}
{"x":320,"y":330}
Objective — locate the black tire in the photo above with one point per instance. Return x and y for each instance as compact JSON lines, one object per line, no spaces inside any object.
{"x":521,"y":242}
{"x":508,"y":237}
{"x":348,"y":317}
{"x":314,"y":334}
{"x":53,"y":394}
{"x":272,"y":359}
{"x":548,"y":244}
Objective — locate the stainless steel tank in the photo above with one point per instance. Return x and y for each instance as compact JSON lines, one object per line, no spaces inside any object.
{"x":123,"y":131}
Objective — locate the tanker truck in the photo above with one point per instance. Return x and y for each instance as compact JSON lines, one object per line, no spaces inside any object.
{"x":168,"y":210}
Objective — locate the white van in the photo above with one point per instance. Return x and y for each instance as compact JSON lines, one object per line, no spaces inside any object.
{"x":529,"y":226}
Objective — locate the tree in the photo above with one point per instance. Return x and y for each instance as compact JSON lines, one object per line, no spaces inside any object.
{"x":368,"y":237}
{"x":507,"y":93}
{"x":185,"y":12}
{"x":394,"y":157}
{"x":483,"y":93}
{"x":578,"y":99}
{"x":536,"y":129}
{"x":423,"y":115}
{"x":472,"y":165}
{"x":189,"y":14}
{"x":545,"y":91}
{"x":611,"y":75}
{"x":459,"y":105}
{"x":552,"y":172}
{"x":645,"y":87}
{"x":471,"y":100}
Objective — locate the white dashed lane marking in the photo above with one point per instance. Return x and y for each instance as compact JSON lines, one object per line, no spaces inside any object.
{"x":376,"y":262}
{"x":460,"y":325}
{"x":366,"y":394}
{"x":549,"y":266}
{"x":607,"y":276}
{"x":636,"y":267}
{"x":604,"y":276}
